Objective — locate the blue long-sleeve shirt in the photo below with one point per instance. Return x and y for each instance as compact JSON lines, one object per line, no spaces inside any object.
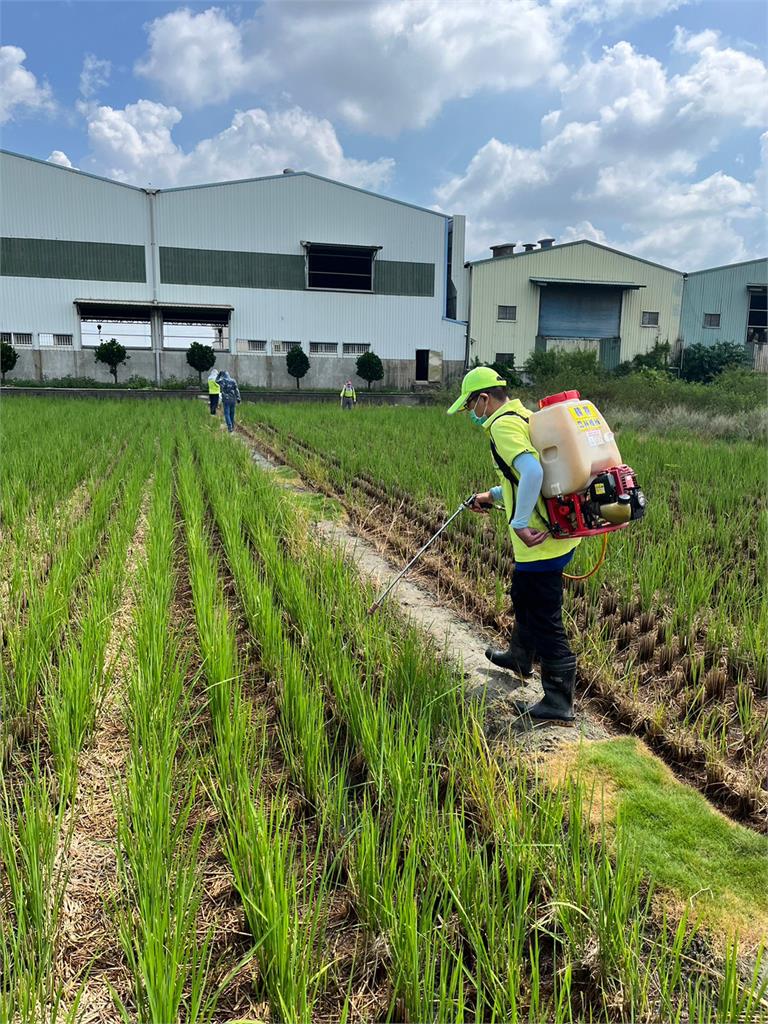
{"x":528,"y":490}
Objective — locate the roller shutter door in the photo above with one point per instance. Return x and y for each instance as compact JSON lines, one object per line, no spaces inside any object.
{"x":575,"y":311}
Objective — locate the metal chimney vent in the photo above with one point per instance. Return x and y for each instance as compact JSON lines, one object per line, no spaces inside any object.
{"x":546,"y":243}
{"x":529,"y":246}
{"x":504,"y":249}
{"x":288,"y":170}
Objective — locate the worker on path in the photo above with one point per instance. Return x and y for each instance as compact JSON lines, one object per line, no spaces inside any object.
{"x":230,"y":396}
{"x":213,"y":392}
{"x":348,"y":396}
{"x":537,"y":581}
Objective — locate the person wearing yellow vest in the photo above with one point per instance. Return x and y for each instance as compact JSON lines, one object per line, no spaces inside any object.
{"x":213,"y":392}
{"x":537,"y":581}
{"x":348,"y":396}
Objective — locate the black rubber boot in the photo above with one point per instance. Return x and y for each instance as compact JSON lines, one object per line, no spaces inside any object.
{"x":558,"y":679}
{"x":517,"y":658}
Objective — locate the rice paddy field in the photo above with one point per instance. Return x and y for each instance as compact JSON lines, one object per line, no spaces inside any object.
{"x":230,"y":794}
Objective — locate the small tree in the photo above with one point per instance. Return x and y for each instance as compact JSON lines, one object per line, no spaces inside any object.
{"x":113,"y":354}
{"x":8,"y":357}
{"x":369,"y":367}
{"x":200,"y":358}
{"x":297,"y":363}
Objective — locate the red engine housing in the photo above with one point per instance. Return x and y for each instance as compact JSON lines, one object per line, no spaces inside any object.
{"x":578,"y":515}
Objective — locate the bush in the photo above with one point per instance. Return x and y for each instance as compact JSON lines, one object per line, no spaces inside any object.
{"x":369,"y":368}
{"x":559,"y":370}
{"x":656,"y":359}
{"x":702,"y":363}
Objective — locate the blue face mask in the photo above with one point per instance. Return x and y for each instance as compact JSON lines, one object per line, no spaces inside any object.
{"x":478,"y":420}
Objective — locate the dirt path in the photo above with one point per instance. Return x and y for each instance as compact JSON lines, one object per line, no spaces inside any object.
{"x":88,"y":937}
{"x":462,"y":642}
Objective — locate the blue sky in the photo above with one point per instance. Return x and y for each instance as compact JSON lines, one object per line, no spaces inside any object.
{"x":638,"y":123}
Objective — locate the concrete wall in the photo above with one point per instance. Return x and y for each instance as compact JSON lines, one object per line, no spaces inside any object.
{"x":722,"y":290}
{"x":507,"y":282}
{"x":258,"y":370}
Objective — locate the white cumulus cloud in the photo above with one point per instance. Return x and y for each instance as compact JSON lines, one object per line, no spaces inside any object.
{"x":94,"y":75}
{"x":19,"y":88}
{"x":57,"y":157}
{"x":382,"y":67}
{"x":135,"y":144}
{"x":619,"y":160}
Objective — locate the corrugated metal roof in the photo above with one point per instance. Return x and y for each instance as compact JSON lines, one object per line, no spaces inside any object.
{"x":728,"y":266}
{"x":567,"y":245}
{"x":71,"y":170}
{"x":237,"y":181}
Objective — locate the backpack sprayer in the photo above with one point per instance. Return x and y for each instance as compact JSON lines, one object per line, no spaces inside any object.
{"x":587,"y":489}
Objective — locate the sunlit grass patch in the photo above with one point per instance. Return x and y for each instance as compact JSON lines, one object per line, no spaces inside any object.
{"x":687,"y":847}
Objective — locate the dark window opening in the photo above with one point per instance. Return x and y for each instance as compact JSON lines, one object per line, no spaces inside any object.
{"x":450,"y":287}
{"x":506,"y":313}
{"x":650,"y":319}
{"x":757,"y":323}
{"x":505,"y":358}
{"x":711,"y":319}
{"x":339,"y":267}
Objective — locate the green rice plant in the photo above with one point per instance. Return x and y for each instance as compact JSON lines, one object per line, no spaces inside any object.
{"x":158,"y":844}
{"x":283,"y":898}
{"x":33,"y":886}
{"x":74,"y":688}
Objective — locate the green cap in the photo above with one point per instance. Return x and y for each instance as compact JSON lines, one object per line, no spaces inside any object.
{"x":479,"y":379}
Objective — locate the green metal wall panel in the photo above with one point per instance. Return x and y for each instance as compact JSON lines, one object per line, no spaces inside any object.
{"x":82,"y":261}
{"x":397,"y":277}
{"x":219,"y":268}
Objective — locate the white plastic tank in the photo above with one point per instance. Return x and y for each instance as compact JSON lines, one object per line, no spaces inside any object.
{"x":573,"y":441}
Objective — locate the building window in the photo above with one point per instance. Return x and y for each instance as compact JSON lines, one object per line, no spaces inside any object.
{"x":180,"y":334}
{"x":339,"y":267}
{"x":505,"y":358}
{"x":650,"y":319}
{"x":711,"y":319}
{"x":16,"y":339}
{"x":323,"y":348}
{"x":507,"y":313}
{"x":356,"y":348}
{"x":251,"y":345}
{"x":280,"y":348}
{"x":62,"y":340}
{"x":129,"y":333}
{"x":757,"y":322}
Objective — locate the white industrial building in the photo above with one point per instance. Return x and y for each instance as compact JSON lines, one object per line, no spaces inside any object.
{"x":251,"y":267}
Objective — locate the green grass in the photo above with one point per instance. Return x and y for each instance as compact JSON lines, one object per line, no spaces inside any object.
{"x":684,"y":845}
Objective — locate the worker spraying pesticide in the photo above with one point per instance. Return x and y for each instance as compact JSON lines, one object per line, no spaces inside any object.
{"x":560,"y":479}
{"x":537,"y":582}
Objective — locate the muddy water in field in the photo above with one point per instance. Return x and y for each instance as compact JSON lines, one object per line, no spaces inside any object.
{"x":461,"y":642}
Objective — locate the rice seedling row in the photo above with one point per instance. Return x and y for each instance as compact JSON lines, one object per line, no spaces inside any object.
{"x":388,"y":866}
{"x":637,"y":638}
{"x":421,"y":778}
